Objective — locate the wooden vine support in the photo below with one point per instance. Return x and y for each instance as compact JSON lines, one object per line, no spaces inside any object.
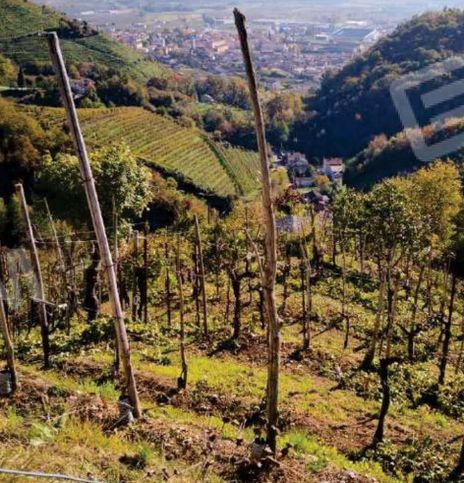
{"x":97,"y":219}
{"x":270,"y":263}
{"x":201,"y":266}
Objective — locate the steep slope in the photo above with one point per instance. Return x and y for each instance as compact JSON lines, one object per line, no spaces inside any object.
{"x":354,"y":105}
{"x":184,"y":153}
{"x":384,"y":158}
{"x":79,"y":42}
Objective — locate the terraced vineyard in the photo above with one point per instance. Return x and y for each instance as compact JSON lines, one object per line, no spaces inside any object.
{"x":245,"y":166}
{"x":162,"y":143}
{"x":18,"y":18}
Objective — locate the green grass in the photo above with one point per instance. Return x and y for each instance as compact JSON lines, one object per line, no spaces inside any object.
{"x":321,"y":457}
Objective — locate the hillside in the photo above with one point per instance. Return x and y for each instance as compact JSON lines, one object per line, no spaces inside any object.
{"x":184,"y":153}
{"x":354,"y":105}
{"x":80,"y":44}
{"x":384,"y":158}
{"x":206,"y":423}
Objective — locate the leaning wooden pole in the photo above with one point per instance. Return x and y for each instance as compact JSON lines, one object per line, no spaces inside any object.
{"x":38,"y":274}
{"x":97,"y":219}
{"x":10,"y":355}
{"x":270,"y":263}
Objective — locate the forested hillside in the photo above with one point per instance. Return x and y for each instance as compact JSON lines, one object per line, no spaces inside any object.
{"x":384,"y":157}
{"x":354,"y":105}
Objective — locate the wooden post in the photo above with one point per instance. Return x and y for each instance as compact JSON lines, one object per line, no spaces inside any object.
{"x":10,"y":356}
{"x":97,"y":218}
{"x":38,"y":273}
{"x":144,"y":296}
{"x":308,"y":304}
{"x":182,"y":380}
{"x":196,"y":287}
{"x":167,"y":284}
{"x":270,"y":265}
{"x":134,"y":281}
{"x":201,"y":265}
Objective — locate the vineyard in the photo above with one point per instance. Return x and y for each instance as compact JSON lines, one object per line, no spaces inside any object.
{"x":196,"y":321}
{"x":18,"y":18}
{"x":162,"y":143}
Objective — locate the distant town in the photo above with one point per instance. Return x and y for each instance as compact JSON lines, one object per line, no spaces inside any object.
{"x":289,"y":55}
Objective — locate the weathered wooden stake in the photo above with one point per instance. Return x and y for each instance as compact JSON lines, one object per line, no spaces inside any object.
{"x":97,"y":218}
{"x":144,"y":295}
{"x":270,"y":264}
{"x":167,"y":284}
{"x":308,"y":303}
{"x":10,"y":355}
{"x":38,"y":274}
{"x":134,"y":281}
{"x":201,"y":265}
{"x":182,"y":380}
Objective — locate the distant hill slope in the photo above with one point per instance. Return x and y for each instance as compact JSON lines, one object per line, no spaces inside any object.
{"x":79,"y":42}
{"x":354,"y":105}
{"x":384,"y":158}
{"x":185,"y":153}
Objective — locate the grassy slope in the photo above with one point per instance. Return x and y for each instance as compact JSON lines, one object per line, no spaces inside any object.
{"x":328,"y":422}
{"x":18,"y":18}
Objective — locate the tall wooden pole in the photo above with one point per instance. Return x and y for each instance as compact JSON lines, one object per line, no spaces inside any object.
{"x":270,"y":264}
{"x":38,"y":274}
{"x":201,"y":265}
{"x":10,"y":356}
{"x":97,"y":218}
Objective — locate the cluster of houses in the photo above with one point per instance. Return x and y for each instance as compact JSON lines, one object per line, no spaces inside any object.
{"x":303,"y":177}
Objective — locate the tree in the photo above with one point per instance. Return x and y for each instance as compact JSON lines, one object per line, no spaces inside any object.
{"x":119,"y":179}
{"x":7,"y":71}
{"x":235,"y":258}
{"x":22,"y":145}
{"x":21,"y":78}
{"x":345,"y":211}
{"x":392,"y":231}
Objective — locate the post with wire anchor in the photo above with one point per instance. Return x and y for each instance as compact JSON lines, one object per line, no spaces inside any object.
{"x":97,"y":218}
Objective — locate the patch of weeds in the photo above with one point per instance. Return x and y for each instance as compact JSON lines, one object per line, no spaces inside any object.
{"x":12,"y":422}
{"x":317,"y":464}
{"x":58,"y":391}
{"x":422,"y":459}
{"x":140,"y":460}
{"x":40,"y":434}
{"x":321,"y":456}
